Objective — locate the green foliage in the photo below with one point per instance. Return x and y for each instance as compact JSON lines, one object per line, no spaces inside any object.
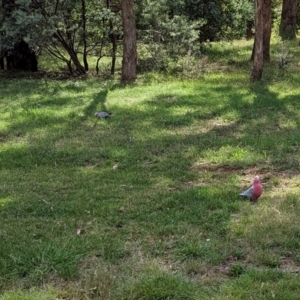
{"x":283,"y":57}
{"x":18,"y":24}
{"x":167,"y":34}
{"x":223,"y":19}
{"x":64,"y":29}
{"x":237,"y":14}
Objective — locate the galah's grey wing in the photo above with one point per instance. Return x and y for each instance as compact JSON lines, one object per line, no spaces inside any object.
{"x":248,"y":193}
{"x":103,"y":114}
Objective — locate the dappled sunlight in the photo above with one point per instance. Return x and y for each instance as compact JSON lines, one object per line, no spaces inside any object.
{"x":268,"y":230}
{"x":155,"y":188}
{"x":4,"y":126}
{"x":15,"y":145}
{"x":232,"y":155}
{"x":4,"y":201}
{"x":287,"y":124}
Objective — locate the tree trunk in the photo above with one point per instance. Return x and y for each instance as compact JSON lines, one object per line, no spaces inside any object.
{"x":84,"y":20}
{"x":129,"y":42}
{"x":249,"y":32}
{"x":71,"y":51}
{"x":258,"y":60}
{"x":288,"y":23}
{"x":2,"y":63}
{"x":267,"y":27}
{"x":114,"y":52}
{"x":267,"y":24}
{"x":114,"y":7}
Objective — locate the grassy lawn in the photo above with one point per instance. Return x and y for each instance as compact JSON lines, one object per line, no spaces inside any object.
{"x":145,"y":205}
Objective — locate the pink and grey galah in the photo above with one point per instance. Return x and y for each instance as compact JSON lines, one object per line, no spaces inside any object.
{"x":255,"y":191}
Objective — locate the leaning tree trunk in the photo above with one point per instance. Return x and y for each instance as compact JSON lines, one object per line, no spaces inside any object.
{"x":71,"y":51}
{"x":258,"y":60}
{"x":288,"y":23}
{"x":129,"y":42}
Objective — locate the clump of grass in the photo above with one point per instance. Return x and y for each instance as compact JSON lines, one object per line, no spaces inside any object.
{"x":236,"y":270}
{"x":284,"y":58}
{"x":162,"y":286}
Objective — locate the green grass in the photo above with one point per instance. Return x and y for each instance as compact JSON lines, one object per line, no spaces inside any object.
{"x":154,"y":189}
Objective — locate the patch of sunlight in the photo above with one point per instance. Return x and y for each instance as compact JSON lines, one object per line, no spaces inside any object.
{"x":32,"y":294}
{"x":181,"y":110}
{"x":4,"y":201}
{"x":4,"y":125}
{"x":220,"y":122}
{"x":14,"y":145}
{"x":197,"y":127}
{"x":255,"y":219}
{"x":283,"y":184}
{"x":118,"y":153}
{"x":162,"y":182}
{"x":278,"y":208}
{"x":232,"y":115}
{"x":216,"y":76}
{"x":287,"y":124}
{"x":231,"y":154}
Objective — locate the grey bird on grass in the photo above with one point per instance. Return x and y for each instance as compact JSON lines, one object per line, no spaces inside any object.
{"x":102,"y":114}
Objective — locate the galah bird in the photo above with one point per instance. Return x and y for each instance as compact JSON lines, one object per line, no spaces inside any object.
{"x":255,"y":191}
{"x":102,"y":114}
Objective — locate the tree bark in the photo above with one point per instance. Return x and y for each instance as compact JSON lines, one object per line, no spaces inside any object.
{"x":249,"y":32}
{"x":129,"y":42}
{"x":114,"y":7}
{"x":71,"y":51}
{"x":267,"y":26}
{"x":84,"y":21}
{"x":114,"y":51}
{"x":258,"y":60}
{"x":288,"y":23}
{"x":1,"y":63}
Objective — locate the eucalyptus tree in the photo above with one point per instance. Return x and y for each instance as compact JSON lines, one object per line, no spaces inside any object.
{"x":288,"y":24}
{"x":258,"y":59}
{"x":129,"y":42}
{"x":266,"y":30}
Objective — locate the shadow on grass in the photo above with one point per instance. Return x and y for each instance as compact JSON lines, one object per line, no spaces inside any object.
{"x":149,"y":174}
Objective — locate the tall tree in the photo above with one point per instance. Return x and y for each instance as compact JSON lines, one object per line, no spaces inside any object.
{"x":129,"y":42}
{"x":288,"y":23}
{"x":267,"y":26}
{"x":114,"y":6}
{"x":258,"y":59}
